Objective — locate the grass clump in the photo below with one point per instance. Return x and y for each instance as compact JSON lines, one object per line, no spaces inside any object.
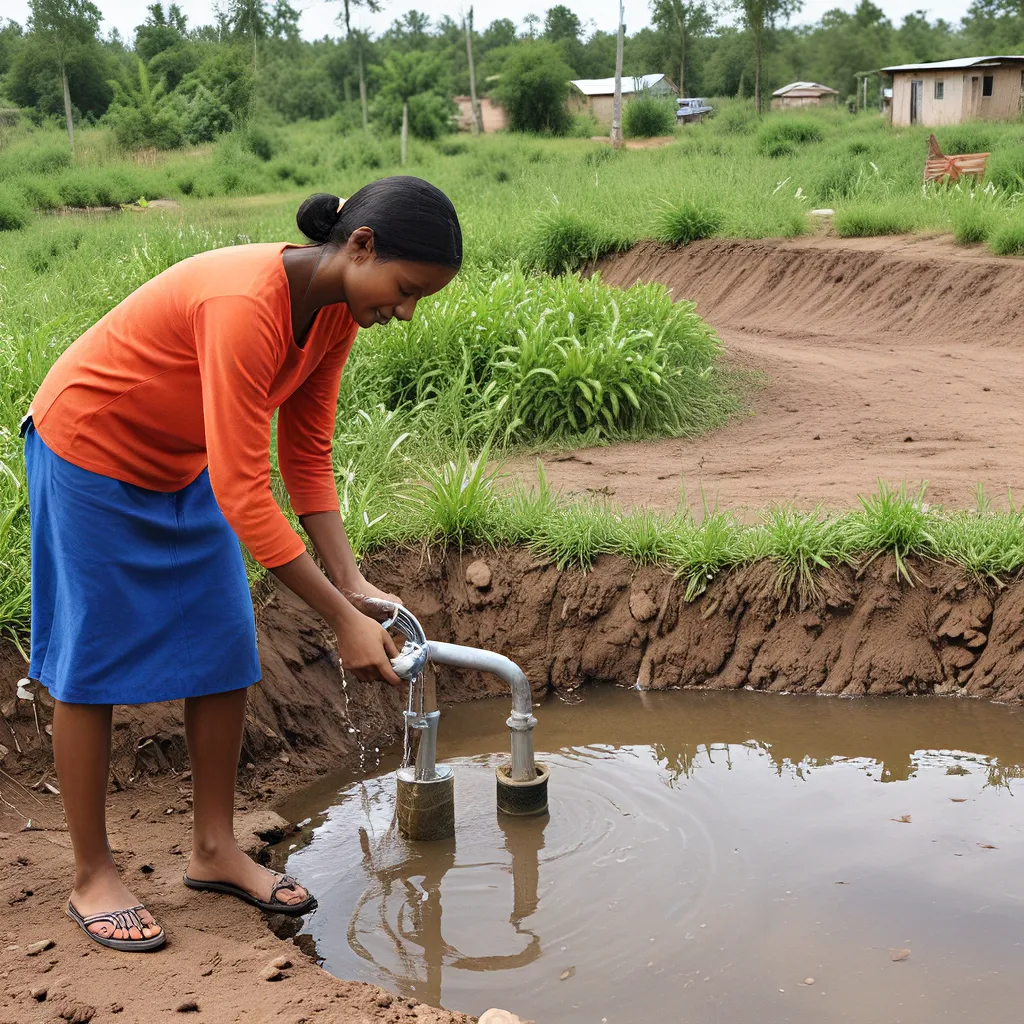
{"x":647,"y":117}
{"x":563,"y":242}
{"x":869,"y":221}
{"x":972,"y":223}
{"x":1008,"y":240}
{"x":14,"y":211}
{"x":686,"y":221}
{"x":780,"y":131}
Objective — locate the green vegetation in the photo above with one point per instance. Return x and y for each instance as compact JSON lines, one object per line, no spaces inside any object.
{"x":648,"y":117}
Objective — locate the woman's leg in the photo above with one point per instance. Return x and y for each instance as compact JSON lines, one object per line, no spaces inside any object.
{"x":81,"y":750}
{"x":213,"y":729}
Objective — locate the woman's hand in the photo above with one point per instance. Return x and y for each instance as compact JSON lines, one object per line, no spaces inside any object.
{"x":365,"y":648}
{"x":364,"y":597}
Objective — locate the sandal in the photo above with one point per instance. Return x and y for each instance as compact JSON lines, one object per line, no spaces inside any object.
{"x":271,"y":906}
{"x":124,"y":920}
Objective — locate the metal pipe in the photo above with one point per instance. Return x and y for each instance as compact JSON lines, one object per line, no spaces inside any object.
{"x":521,"y":721}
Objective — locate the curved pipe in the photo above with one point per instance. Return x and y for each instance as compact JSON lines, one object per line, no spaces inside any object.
{"x":521,"y":721}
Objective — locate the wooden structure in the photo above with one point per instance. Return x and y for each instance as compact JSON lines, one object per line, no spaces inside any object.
{"x":954,"y":91}
{"x":938,"y":166}
{"x":803,"y":94}
{"x":597,"y":95}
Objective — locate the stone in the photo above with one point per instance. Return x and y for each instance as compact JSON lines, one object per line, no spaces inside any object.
{"x":77,"y":1013}
{"x":188,"y":1006}
{"x":35,"y":948}
{"x":641,"y":607}
{"x":478,"y":574}
{"x":495,"y":1016}
{"x":39,"y":993}
{"x":271,"y":973}
{"x":385,"y":1000}
{"x":282,"y":963}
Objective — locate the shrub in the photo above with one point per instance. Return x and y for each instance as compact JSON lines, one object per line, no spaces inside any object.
{"x":966,"y":138}
{"x":14,"y":211}
{"x":584,"y":126}
{"x":972,"y":224}
{"x":1008,"y":240}
{"x":561,"y":243}
{"x":533,"y":87}
{"x":871,"y":221}
{"x":76,"y":189}
{"x":258,"y":141}
{"x":779,"y":148}
{"x":40,"y":193}
{"x":648,"y":117}
{"x":686,"y":221}
{"x":451,"y":147}
{"x":45,"y":159}
{"x":793,"y":130}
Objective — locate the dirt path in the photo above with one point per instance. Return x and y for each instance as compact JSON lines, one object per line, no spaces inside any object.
{"x":893,"y":359}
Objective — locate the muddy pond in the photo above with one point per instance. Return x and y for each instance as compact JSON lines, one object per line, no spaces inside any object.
{"x":712,"y":857}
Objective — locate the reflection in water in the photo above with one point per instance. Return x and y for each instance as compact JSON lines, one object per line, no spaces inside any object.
{"x":691,"y":861}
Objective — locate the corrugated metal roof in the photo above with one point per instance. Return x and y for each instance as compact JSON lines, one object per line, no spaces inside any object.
{"x":606,"y":86}
{"x":812,"y":86}
{"x":953,"y":65}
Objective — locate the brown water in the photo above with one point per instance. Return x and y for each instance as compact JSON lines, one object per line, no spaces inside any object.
{"x":705,"y":854}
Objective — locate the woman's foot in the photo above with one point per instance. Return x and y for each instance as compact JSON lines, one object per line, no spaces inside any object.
{"x":228,"y":863}
{"x":105,"y":893}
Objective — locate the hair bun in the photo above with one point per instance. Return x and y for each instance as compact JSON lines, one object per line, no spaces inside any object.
{"x":318,"y":216}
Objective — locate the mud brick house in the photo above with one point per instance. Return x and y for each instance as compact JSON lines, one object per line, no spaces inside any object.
{"x":954,"y":91}
{"x":803,"y":94}
{"x":597,"y":95}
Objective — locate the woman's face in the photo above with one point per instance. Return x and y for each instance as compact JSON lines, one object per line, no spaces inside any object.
{"x":377,"y":291}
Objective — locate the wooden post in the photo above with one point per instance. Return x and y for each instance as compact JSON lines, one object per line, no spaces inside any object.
{"x":362,"y":88}
{"x":617,"y":101}
{"x":405,"y":131}
{"x":67,"y":107}
{"x":477,"y":118}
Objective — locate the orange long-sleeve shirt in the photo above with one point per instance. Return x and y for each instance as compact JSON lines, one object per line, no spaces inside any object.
{"x":187,"y":372}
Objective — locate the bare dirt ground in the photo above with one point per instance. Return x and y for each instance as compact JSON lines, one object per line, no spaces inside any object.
{"x":893,"y":359}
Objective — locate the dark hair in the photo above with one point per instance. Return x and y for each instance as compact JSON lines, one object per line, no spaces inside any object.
{"x":410,"y":218}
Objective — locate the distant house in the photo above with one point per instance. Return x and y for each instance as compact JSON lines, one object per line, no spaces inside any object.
{"x":954,"y":91}
{"x":597,"y":95}
{"x":494,"y":117}
{"x":803,"y":94}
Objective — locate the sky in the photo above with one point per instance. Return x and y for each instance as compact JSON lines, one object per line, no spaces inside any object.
{"x":318,"y":15}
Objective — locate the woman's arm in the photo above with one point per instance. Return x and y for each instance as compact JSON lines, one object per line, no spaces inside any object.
{"x":365,"y":648}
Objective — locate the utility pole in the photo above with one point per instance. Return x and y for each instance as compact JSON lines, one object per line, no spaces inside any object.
{"x":405,"y":132}
{"x":478,"y":121}
{"x":617,"y":102}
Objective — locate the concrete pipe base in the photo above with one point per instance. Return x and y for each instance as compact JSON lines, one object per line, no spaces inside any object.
{"x":522,"y":798}
{"x":426,"y":810}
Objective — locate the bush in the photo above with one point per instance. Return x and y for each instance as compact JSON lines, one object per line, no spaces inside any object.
{"x":533,"y":88}
{"x":584,"y":126}
{"x":966,"y":138}
{"x":792,"y":130}
{"x":972,"y":223}
{"x":871,"y":221}
{"x":45,"y":159}
{"x":648,"y":117}
{"x":257,"y":140}
{"x":76,"y":189}
{"x":14,"y":211}
{"x":40,"y":193}
{"x":1008,"y":240}
{"x":779,"y":148}
{"x":561,"y":243}
{"x":686,"y":221}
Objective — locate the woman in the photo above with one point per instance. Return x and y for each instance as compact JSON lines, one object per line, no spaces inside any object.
{"x":148,"y":455}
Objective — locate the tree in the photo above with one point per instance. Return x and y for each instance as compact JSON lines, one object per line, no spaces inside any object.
{"x":62,"y":27}
{"x":682,"y":21}
{"x":284,"y":22}
{"x":249,"y":19}
{"x":501,"y":32}
{"x":414,"y":87}
{"x":160,"y":31}
{"x":530,"y":23}
{"x":561,"y":23}
{"x":140,"y":114}
{"x":759,"y":18}
{"x":372,"y":7}
{"x":533,"y":88}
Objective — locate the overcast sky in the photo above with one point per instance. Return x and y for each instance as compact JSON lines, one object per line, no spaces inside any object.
{"x":318,"y":16}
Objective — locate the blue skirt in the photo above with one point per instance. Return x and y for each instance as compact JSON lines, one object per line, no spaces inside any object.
{"x":137,"y":595}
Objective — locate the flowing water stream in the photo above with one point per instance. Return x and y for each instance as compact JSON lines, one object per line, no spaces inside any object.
{"x":709,"y":857}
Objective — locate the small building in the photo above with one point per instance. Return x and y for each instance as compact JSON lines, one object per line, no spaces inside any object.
{"x":493,"y":115}
{"x":803,"y":94}
{"x":954,"y":91}
{"x":597,"y":95}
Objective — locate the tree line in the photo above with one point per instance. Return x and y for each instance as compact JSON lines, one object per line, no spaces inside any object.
{"x":174,"y":83}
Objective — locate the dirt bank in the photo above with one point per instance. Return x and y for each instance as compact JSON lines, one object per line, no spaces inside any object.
{"x":891,"y":359}
{"x":864,"y":633}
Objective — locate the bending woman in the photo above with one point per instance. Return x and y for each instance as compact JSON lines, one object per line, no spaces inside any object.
{"x":148,"y":456}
